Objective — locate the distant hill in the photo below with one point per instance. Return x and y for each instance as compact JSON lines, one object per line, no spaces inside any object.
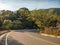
{"x":51,"y":10}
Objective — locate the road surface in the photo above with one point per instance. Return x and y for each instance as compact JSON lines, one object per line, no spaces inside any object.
{"x":29,"y":38}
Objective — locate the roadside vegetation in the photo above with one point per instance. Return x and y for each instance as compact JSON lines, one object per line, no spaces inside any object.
{"x":45,"y":20}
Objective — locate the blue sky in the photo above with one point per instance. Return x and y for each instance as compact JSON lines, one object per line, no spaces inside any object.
{"x":30,"y":4}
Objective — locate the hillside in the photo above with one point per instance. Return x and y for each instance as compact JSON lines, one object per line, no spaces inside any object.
{"x":23,"y":18}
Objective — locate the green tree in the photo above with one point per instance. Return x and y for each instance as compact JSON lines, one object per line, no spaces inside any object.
{"x":16,"y":25}
{"x":7,"y":24}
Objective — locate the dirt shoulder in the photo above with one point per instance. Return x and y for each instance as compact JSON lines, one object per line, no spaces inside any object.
{"x":3,"y":31}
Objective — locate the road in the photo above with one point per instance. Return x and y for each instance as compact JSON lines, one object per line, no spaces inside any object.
{"x":29,"y":38}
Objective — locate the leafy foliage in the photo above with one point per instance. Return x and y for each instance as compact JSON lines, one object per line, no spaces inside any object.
{"x":23,"y":18}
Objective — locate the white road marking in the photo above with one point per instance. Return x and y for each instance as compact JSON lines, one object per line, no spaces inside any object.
{"x":2,"y":36}
{"x":6,"y":40}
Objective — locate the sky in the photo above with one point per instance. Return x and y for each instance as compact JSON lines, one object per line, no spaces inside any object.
{"x":30,"y":4}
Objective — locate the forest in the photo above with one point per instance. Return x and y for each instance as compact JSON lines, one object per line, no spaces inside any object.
{"x":45,"y":20}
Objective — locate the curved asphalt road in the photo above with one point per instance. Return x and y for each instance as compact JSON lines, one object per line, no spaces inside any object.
{"x":27,"y":38}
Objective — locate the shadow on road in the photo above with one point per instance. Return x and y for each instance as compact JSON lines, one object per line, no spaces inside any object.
{"x":26,"y":30}
{"x":14,"y":42}
{"x":10,"y":42}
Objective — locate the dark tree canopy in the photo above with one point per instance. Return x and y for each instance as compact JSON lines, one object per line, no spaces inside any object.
{"x":23,"y":18}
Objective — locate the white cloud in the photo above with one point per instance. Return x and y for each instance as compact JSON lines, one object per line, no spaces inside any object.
{"x":5,"y":6}
{"x":16,"y":4}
